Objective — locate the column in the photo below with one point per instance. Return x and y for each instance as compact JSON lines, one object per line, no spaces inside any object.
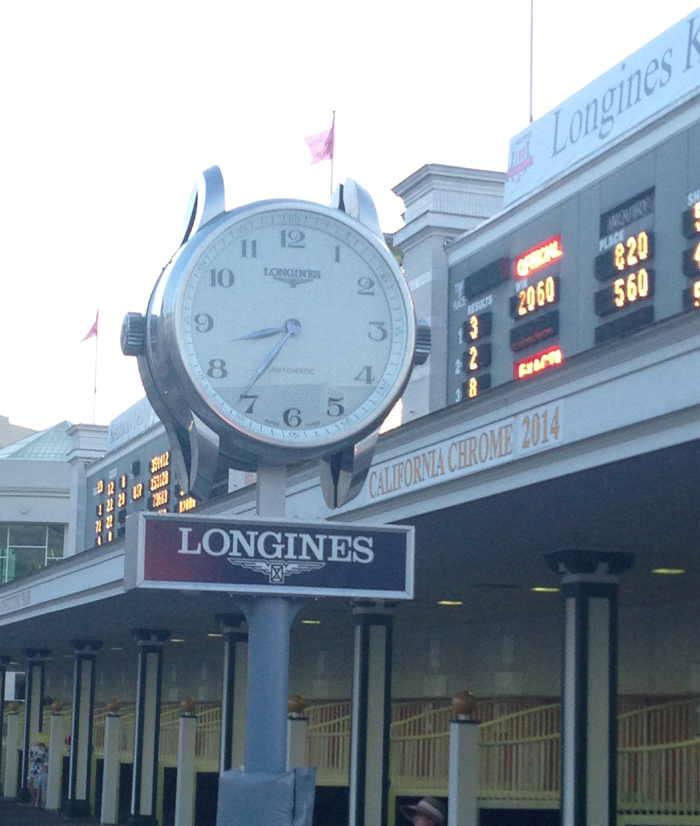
{"x":371,"y":715}
{"x":589,"y":584}
{"x":186,"y":788}
{"x":33,"y":710}
{"x":80,"y":760}
{"x":234,"y":691}
{"x":12,"y":763}
{"x":463,"y":807}
{"x":111,"y":770}
{"x":148,"y":690}
{"x":55,"y":776}
{"x":296,"y":732}
{"x":4,"y":662}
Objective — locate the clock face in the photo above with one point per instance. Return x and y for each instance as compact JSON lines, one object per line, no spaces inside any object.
{"x":294,"y":324}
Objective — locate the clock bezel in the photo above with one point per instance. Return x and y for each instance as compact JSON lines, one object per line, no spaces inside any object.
{"x":167,"y":337}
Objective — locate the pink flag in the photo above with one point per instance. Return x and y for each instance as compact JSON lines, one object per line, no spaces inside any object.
{"x":321,"y":145}
{"x":93,"y":329}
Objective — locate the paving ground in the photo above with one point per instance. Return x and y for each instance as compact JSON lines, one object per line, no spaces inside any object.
{"x":17,"y":814}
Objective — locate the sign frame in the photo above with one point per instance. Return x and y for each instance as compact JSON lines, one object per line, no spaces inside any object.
{"x":138,"y":536}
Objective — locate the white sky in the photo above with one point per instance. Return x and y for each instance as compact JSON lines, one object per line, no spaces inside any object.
{"x":110,"y":110}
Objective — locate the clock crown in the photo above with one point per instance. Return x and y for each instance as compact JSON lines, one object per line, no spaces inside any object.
{"x":423,"y":342}
{"x":133,"y":334}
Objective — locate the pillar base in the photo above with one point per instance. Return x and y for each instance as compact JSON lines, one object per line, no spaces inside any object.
{"x":78,"y":808}
{"x":142,"y":820}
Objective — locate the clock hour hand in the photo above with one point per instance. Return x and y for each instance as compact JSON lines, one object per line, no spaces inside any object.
{"x":292,"y":328}
{"x":266,"y":333}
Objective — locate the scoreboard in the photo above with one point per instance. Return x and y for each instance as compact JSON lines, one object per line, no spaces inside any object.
{"x":607,"y":262}
{"x":140,"y":480}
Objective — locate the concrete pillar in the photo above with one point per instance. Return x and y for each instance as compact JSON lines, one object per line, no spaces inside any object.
{"x":57,"y":737}
{"x":111,"y":769}
{"x":12,"y":761}
{"x":4,"y":662}
{"x":269,"y":623}
{"x":296,"y":741}
{"x":88,"y":443}
{"x":590,"y":581}
{"x":80,"y":760}
{"x":186,"y":789}
{"x":234,"y":691}
{"x":144,"y":789}
{"x":371,"y":715}
{"x":33,"y":710}
{"x":463,"y":809}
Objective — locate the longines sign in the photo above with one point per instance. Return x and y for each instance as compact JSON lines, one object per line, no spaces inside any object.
{"x":641,"y":87}
{"x":261,"y":556}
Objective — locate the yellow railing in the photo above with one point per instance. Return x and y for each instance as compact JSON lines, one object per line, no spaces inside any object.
{"x":660,"y":779}
{"x":328,"y":742}
{"x":518,"y":752}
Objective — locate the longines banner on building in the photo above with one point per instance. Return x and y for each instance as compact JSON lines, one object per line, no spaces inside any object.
{"x":657,"y":76}
{"x":263,"y":556}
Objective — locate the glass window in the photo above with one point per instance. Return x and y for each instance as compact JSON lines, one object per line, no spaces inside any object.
{"x":25,"y":548}
{"x":27,"y":535}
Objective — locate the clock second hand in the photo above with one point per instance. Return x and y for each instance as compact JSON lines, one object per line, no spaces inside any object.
{"x":292,"y":328}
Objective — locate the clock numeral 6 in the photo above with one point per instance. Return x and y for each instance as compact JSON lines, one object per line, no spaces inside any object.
{"x":379,"y":332}
{"x":217,"y":369}
{"x":203,"y":323}
{"x":335,"y":408}
{"x":292,"y":417}
{"x":221,"y":278}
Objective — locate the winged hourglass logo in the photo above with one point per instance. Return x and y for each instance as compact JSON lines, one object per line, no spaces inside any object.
{"x":275,"y":570}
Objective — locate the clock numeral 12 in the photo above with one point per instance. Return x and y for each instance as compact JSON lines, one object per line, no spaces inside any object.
{"x":293,"y":238}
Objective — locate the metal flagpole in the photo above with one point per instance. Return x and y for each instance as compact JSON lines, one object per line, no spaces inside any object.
{"x":333,"y":152}
{"x":94,"y":394}
{"x":532,"y":29}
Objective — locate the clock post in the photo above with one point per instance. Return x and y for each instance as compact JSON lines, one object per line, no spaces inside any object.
{"x":280,"y":332}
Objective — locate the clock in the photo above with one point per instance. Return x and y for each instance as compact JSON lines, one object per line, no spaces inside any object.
{"x":281,"y":331}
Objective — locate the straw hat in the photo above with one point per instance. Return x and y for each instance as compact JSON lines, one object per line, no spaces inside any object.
{"x":429,"y":807}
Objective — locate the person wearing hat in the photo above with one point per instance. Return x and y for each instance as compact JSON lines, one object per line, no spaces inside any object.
{"x":38,"y":763}
{"x":427,"y":812}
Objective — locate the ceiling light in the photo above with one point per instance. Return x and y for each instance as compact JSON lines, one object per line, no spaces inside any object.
{"x":450,"y":602}
{"x":115,"y":648}
{"x":545,"y":589}
{"x":215,"y":635}
{"x":669,"y":571}
{"x":311,"y":622}
{"x":176,"y":640}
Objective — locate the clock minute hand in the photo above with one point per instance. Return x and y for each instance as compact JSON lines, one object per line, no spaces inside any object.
{"x":293,"y":328}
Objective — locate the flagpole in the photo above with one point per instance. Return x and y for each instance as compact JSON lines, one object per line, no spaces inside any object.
{"x":332,"y":153}
{"x":532,"y":31}
{"x":94,"y":395}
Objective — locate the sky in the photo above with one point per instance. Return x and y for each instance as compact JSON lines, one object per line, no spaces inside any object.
{"x":111,"y":110}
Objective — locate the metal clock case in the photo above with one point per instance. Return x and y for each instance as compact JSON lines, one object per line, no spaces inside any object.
{"x":281,"y":331}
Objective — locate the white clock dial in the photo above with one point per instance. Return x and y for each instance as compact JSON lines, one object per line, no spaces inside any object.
{"x":295,"y":325}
